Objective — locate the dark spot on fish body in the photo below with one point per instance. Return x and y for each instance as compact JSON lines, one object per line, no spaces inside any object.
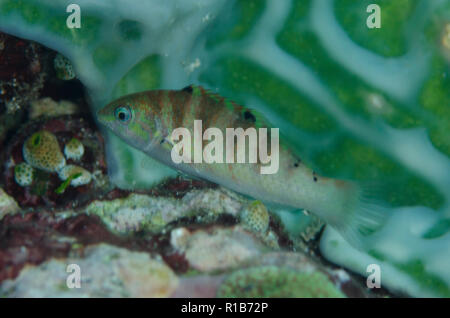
{"x":297,"y":162}
{"x":188,"y":89}
{"x":249,"y":116}
{"x":314,"y":176}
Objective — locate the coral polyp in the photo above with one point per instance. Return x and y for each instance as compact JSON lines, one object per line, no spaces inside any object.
{"x":63,"y":67}
{"x":41,"y":150}
{"x":74,"y":149}
{"x":23,"y":174}
{"x":271,"y":281}
{"x":78,"y":175}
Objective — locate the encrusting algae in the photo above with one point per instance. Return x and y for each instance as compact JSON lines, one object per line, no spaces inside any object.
{"x":275,"y":282}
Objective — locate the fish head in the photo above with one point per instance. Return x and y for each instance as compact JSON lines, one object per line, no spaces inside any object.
{"x":131,"y":119}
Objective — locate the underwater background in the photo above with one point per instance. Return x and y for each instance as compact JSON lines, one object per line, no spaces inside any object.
{"x":370,"y":105}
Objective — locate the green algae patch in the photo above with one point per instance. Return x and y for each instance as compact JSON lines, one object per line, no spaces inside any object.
{"x":275,"y":282}
{"x":437,"y":22}
{"x":391,"y":39}
{"x":441,"y":228}
{"x":106,"y":55}
{"x":350,"y":158}
{"x":416,"y":269}
{"x":53,"y":18}
{"x":144,"y":75}
{"x":355,"y":95}
{"x":29,"y":11}
{"x":132,"y":214}
{"x":86,"y":35}
{"x":32,"y":13}
{"x":245,"y":15}
{"x":435,"y":98}
{"x":130,"y":30}
{"x":243,"y":76}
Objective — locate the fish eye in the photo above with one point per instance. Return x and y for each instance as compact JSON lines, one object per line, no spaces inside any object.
{"x":123,"y":114}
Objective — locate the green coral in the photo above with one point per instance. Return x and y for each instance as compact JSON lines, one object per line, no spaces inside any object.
{"x":435,"y":98}
{"x":277,"y":282}
{"x":135,"y":213}
{"x":130,"y":30}
{"x":390,"y":40}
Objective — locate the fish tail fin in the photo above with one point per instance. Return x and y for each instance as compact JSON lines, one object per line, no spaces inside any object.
{"x":363,"y":216}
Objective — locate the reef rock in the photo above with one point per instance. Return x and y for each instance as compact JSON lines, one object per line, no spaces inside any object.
{"x":104,"y":271}
{"x":7,"y":204}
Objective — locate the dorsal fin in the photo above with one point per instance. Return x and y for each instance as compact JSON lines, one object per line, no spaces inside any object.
{"x":250,"y":114}
{"x":198,"y":89}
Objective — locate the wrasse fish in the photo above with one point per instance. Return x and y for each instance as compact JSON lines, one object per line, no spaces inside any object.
{"x":146,"y":121}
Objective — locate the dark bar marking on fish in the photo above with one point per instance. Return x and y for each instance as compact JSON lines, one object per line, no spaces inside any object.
{"x":177,"y":103}
{"x":249,"y":116}
{"x":211,"y":107}
{"x":158,"y":103}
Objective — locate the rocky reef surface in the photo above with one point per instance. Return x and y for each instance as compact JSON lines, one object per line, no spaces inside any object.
{"x":371,"y":105}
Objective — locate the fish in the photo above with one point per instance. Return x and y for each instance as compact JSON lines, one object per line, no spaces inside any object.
{"x":147,"y":121}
